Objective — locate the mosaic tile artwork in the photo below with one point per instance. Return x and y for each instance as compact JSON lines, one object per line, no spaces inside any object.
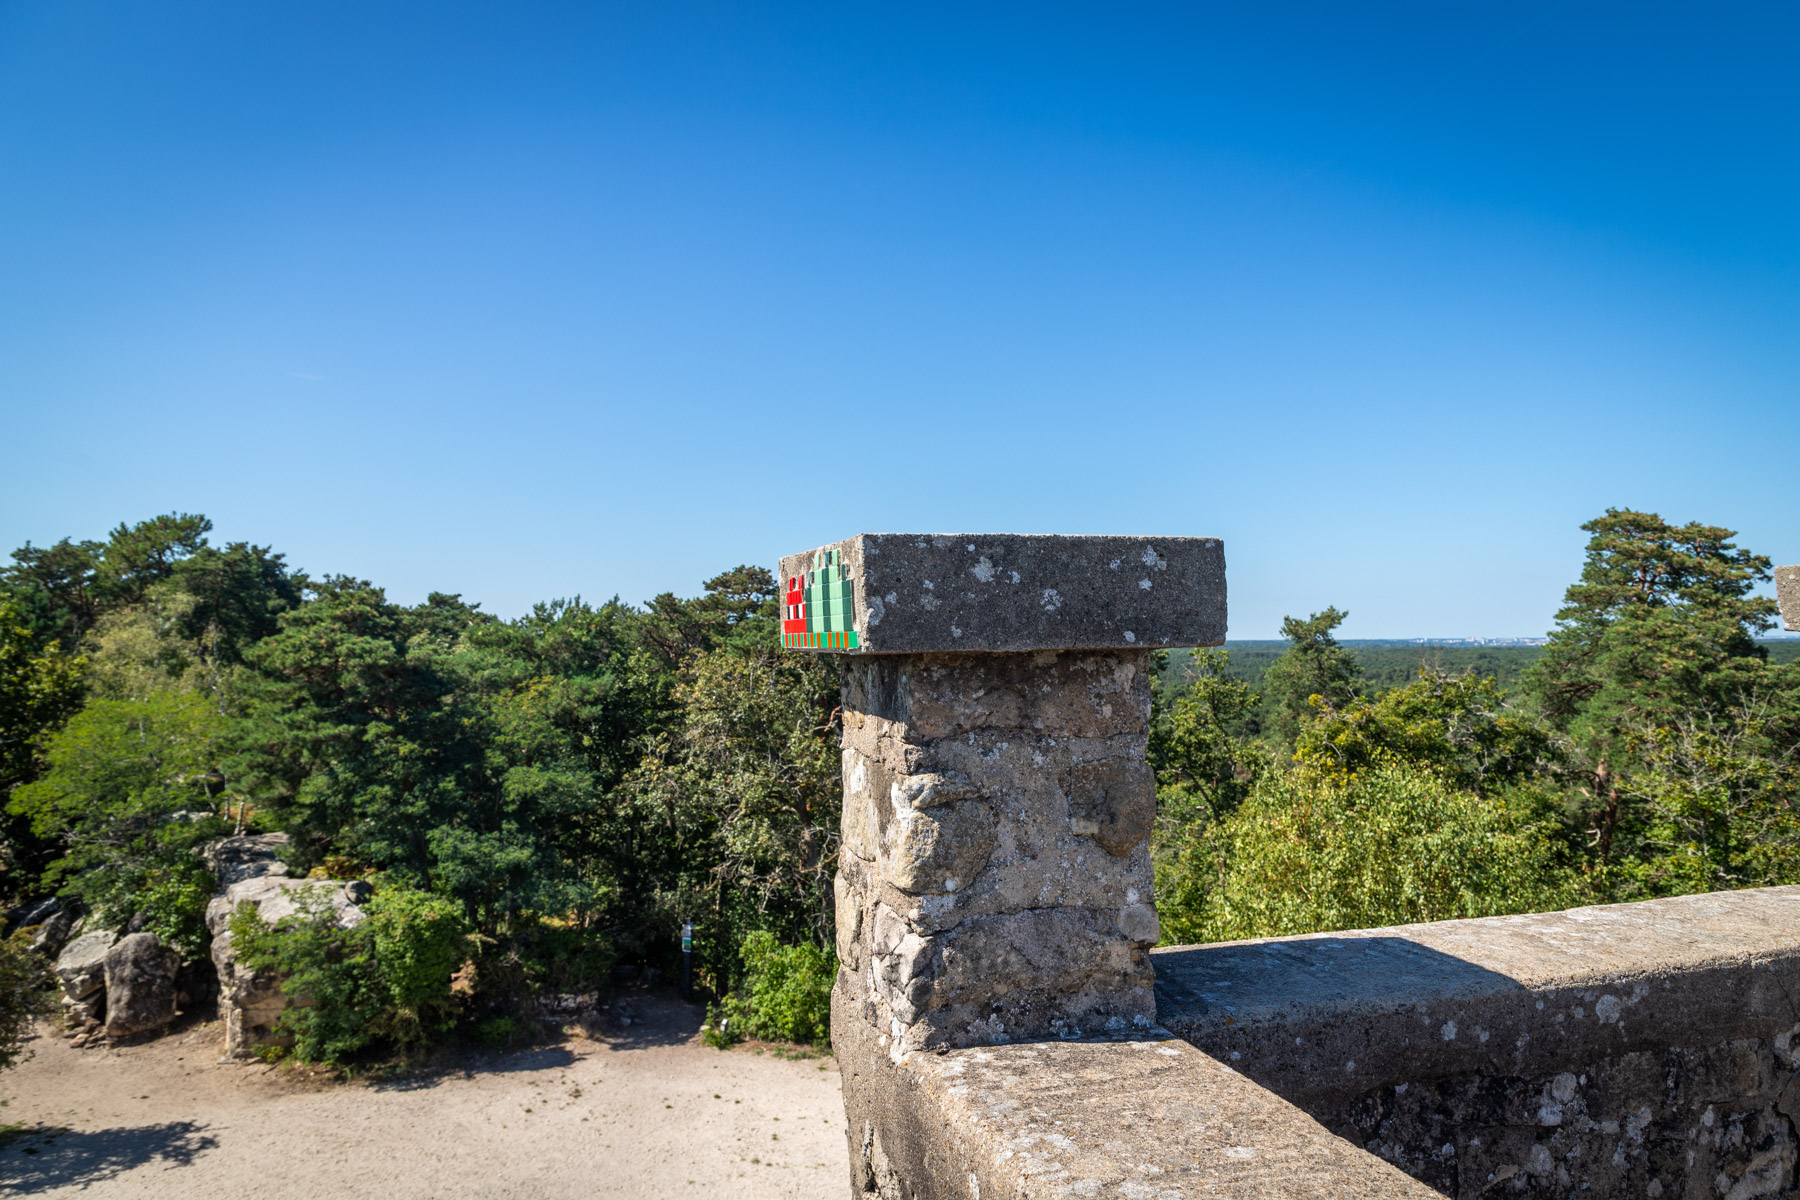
{"x":820,"y":608}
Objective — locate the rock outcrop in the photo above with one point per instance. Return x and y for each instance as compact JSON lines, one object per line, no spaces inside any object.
{"x":140,"y":977}
{"x":251,"y":856}
{"x":53,"y":934}
{"x":251,"y":1002}
{"x":81,"y":972}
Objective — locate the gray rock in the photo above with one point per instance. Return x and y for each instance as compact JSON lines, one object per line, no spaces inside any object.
{"x":53,"y":934}
{"x":81,"y":967}
{"x":251,"y":1002}
{"x":37,"y":913}
{"x":140,"y":984}
{"x":87,"y":1013}
{"x":1787,"y":593}
{"x":235,"y":859}
{"x":908,"y":593}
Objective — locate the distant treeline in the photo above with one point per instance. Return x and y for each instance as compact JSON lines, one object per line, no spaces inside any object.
{"x":1386,"y":665}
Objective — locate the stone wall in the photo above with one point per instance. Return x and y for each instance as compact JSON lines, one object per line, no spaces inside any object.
{"x":1642,"y":1050}
{"x":1003,"y":1028}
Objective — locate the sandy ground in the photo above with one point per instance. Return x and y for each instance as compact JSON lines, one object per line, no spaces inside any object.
{"x":650,"y":1112}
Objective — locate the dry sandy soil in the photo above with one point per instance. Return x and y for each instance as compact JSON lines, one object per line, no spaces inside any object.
{"x":649,"y":1112}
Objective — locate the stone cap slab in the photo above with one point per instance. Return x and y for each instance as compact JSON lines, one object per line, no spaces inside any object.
{"x":1787,"y":593}
{"x":915,"y":593}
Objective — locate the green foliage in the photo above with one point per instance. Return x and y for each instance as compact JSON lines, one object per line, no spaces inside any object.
{"x":1314,"y":664}
{"x":1660,"y":631}
{"x":40,"y":688}
{"x":749,"y":782}
{"x":505,"y":1032}
{"x":785,"y":996}
{"x":1714,"y":805}
{"x":1661,"y":623}
{"x":129,"y":792}
{"x":1394,"y":844}
{"x":1457,"y":725}
{"x":568,"y":787}
{"x":26,"y":993}
{"x":386,"y":979}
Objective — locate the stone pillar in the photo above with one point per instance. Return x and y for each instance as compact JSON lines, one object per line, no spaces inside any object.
{"x":1787,"y":594}
{"x":994,"y":880}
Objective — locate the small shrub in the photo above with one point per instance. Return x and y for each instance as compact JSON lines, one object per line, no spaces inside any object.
{"x":502,"y":1033}
{"x":387,"y":979}
{"x":25,"y":995}
{"x":785,"y":997}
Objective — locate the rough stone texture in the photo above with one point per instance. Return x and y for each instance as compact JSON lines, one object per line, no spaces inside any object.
{"x":1639,"y":1049}
{"x":919,"y":593}
{"x":81,"y":967}
{"x":1148,"y":1119}
{"x":1787,"y":594}
{"x":994,"y":878}
{"x":50,"y":937}
{"x":250,"y":1002}
{"x":86,"y":1013}
{"x":140,"y":984}
{"x":247,"y":856}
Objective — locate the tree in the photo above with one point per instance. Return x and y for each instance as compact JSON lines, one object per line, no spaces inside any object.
{"x":65,"y":589}
{"x":1313,"y":665}
{"x":747,"y":792}
{"x":1313,"y":851}
{"x":129,"y":792}
{"x":1204,"y":764}
{"x":1458,"y":725}
{"x":1660,"y":628}
{"x":40,"y":688}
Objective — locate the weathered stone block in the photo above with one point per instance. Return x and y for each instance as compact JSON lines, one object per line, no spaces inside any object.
{"x":251,"y":1002}
{"x":1787,"y":594}
{"x":995,"y":875}
{"x":140,"y":984}
{"x":81,"y":967}
{"x":907,"y":593}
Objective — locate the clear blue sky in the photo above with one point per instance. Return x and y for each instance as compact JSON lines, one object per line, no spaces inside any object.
{"x":532,"y":299}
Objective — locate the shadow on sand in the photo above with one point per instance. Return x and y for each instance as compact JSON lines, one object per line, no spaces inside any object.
{"x":42,"y":1159}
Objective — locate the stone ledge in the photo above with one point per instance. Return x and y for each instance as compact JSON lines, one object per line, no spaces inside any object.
{"x":1136,"y":1120}
{"x":1322,"y":1018}
{"x":917,"y":593}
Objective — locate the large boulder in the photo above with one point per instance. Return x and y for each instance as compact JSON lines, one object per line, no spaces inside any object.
{"x":81,"y":967}
{"x":251,"y":1002}
{"x":140,"y":984}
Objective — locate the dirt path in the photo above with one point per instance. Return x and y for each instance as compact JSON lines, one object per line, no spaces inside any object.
{"x":652,"y":1112}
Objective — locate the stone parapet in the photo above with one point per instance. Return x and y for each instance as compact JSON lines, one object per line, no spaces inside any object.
{"x":1639,"y":1050}
{"x":1144,"y":1119}
{"x":1787,"y":594}
{"x":1494,"y":996}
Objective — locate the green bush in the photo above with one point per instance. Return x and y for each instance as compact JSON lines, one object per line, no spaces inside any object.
{"x":502,"y":1032}
{"x":785,"y":997}
{"x":1314,"y":850}
{"x":25,"y":995}
{"x":385,"y":980}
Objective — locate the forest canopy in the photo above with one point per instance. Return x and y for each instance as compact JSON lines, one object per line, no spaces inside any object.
{"x":543,"y":797}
